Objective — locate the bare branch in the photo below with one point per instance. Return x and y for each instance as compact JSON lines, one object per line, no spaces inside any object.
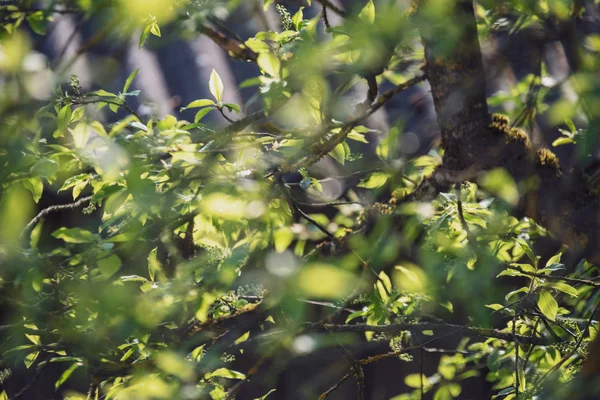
{"x":51,"y":209}
{"x":421,"y":326}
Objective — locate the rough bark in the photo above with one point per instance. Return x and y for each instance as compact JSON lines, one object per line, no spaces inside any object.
{"x":560,"y":200}
{"x":473,"y":141}
{"x":457,"y":81}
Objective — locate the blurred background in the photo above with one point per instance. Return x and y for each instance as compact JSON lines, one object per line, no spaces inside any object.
{"x":175,"y":64}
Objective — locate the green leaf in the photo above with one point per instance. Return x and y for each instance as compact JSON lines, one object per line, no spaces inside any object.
{"x":30,"y":358}
{"x":414,"y":381}
{"x":215,"y":84}
{"x":37,"y":22}
{"x":144,"y":35}
{"x":36,"y":234}
{"x":282,"y":238}
{"x":501,"y":184}
{"x":262,"y":397}
{"x":563,"y":287}
{"x":324,"y":281}
{"x":200,"y":114}
{"x":339,"y":153}
{"x":355,"y":314}
{"x":66,"y":359}
{"x":359,"y":137}
{"x":35,"y":186}
{"x":375,"y":180}
{"x":495,"y":307}
{"x":367,"y":14}
{"x":63,"y":119}
{"x":250,"y":82}
{"x":225,"y":373}
{"x":129,"y":80}
{"x":199,"y":103}
{"x":523,"y":267}
{"x":155,"y":29}
{"x":270,"y":64}
{"x":109,"y":266}
{"x":77,"y":114}
{"x":511,"y":294}
{"x":554,"y":259}
{"x":547,"y":304}
{"x":45,"y":168}
{"x":75,"y":235}
{"x":561,"y":141}
{"x":66,"y":374}
{"x":297,"y":18}
{"x":527,"y":249}
{"x":104,"y":93}
{"x":75,"y":180}
{"x":232,"y":107}
{"x":154,"y":264}
{"x":553,"y":267}
{"x":80,"y":134}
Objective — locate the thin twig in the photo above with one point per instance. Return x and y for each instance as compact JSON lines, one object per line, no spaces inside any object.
{"x":459,"y":208}
{"x":233,"y":46}
{"x":225,"y":116}
{"x":51,"y":209}
{"x":333,"y":7}
{"x":116,"y":103}
{"x":554,"y":277}
{"x":572,"y":352}
{"x":421,"y":326}
{"x":516,"y":341}
{"x":325,"y":17}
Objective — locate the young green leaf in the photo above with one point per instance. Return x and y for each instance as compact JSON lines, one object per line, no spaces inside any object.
{"x":563,"y":287}
{"x":66,"y":374}
{"x":297,"y":18}
{"x":200,"y":114}
{"x":339,"y":153}
{"x":282,"y":238}
{"x":155,"y":29}
{"x":270,"y":64}
{"x":367,"y":14}
{"x":129,"y":80}
{"x":215,"y":84}
{"x":547,"y":304}
{"x":199,"y":103}
{"x":144,"y":35}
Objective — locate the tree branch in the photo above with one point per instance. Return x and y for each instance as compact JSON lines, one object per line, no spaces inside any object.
{"x":51,"y":209}
{"x":421,"y":326}
{"x":234,"y":47}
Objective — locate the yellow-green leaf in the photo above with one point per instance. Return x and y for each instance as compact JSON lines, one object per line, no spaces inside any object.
{"x":548,"y":306}
{"x":270,"y":64}
{"x":109,"y":266}
{"x":215,"y":84}
{"x":282,"y":238}
{"x":367,"y":14}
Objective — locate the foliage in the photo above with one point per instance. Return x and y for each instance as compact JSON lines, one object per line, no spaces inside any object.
{"x":190,"y":250}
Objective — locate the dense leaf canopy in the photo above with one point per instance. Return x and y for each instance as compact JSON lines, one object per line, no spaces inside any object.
{"x":208,"y":253}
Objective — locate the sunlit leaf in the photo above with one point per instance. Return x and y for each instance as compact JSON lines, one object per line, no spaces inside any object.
{"x":225,"y":373}
{"x":75,"y":235}
{"x":215,"y":84}
{"x":108,"y":266}
{"x":130,"y":79}
{"x":324,"y":281}
{"x":501,"y":184}
{"x":269,"y":63}
{"x":66,"y":375}
{"x":367,"y":14}
{"x":547,"y":304}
